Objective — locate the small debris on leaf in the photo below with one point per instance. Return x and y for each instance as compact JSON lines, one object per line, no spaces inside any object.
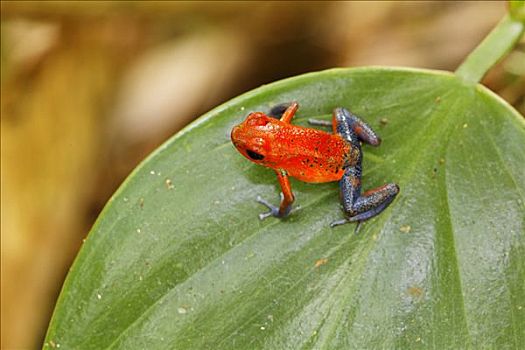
{"x":321,"y":262}
{"x":405,"y":228}
{"x":415,"y":291}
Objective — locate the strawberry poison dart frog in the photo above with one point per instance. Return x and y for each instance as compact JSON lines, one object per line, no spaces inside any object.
{"x":313,"y":155}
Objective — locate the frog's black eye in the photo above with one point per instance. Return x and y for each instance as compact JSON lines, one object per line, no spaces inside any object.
{"x":254,"y":155}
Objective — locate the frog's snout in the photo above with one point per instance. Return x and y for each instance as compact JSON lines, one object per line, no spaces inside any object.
{"x":236,"y":135}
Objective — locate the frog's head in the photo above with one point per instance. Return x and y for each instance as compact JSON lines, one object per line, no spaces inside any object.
{"x":253,"y":136}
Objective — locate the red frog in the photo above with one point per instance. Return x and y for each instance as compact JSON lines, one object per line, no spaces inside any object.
{"x":312,"y":155}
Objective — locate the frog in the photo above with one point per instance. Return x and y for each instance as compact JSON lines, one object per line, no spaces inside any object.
{"x":313,"y":155}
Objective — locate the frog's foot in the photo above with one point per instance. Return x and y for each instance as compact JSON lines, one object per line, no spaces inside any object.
{"x":319,"y":122}
{"x":368,"y":205}
{"x":274,"y":210}
{"x":346,"y":221}
{"x":339,"y":222}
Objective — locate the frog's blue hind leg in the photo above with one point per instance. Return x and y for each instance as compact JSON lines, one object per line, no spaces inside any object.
{"x":359,"y":207}
{"x":350,"y":127}
{"x":353,"y":129}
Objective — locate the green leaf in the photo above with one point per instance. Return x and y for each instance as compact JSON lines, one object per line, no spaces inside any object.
{"x":178,"y":258}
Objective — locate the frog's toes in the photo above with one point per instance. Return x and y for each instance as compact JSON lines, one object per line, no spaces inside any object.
{"x":263,"y":216}
{"x":339,"y":222}
{"x":294,"y":209}
{"x":346,"y":221}
{"x":264,"y":202}
{"x":319,"y":122}
{"x":274,"y":211}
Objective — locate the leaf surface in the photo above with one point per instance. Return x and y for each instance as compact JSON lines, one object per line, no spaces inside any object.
{"x":178,"y":258}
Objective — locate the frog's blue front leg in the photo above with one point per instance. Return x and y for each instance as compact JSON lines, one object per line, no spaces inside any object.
{"x":359,"y":207}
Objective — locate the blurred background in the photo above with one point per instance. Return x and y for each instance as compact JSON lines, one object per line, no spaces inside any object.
{"x":88,"y":89}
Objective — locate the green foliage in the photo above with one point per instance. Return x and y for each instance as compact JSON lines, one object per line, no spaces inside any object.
{"x":517,"y":10}
{"x":178,"y":258}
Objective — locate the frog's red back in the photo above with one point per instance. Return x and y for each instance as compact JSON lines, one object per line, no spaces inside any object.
{"x":307,"y":154}
{"x":310,"y":155}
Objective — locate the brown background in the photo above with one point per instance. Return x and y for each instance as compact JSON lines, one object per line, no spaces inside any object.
{"x":90,"y":88}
